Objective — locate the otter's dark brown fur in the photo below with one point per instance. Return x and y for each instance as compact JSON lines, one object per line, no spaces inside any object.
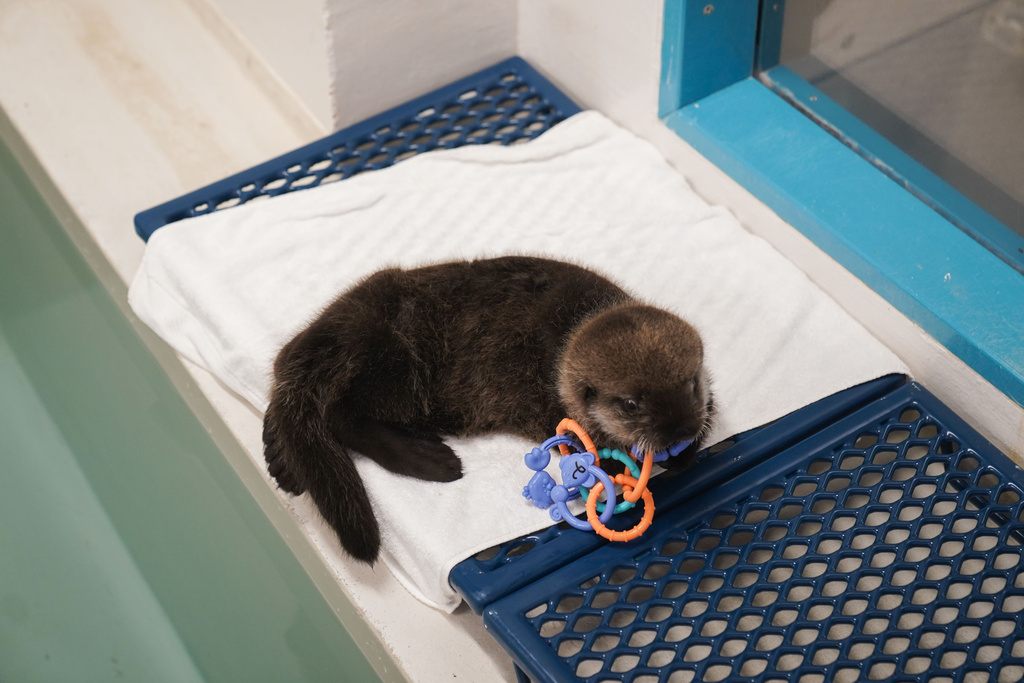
{"x":511,"y":344}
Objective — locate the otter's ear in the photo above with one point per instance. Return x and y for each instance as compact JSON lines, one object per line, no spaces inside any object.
{"x":589,"y":394}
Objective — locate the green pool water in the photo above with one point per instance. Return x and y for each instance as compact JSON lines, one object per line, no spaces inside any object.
{"x":72,"y":602}
{"x":129,"y":548}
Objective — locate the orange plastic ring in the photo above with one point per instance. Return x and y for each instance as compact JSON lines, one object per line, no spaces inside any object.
{"x":627,"y":483}
{"x":570,"y":425}
{"x":641,"y":484}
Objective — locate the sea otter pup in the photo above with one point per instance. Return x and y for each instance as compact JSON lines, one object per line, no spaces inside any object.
{"x":511,"y":344}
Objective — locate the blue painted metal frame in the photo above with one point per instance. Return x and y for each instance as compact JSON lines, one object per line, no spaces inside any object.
{"x":958,"y":291}
{"x":712,"y":46}
{"x":769,"y":33}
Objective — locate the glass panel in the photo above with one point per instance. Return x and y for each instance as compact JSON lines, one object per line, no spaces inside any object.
{"x":940,"y":79}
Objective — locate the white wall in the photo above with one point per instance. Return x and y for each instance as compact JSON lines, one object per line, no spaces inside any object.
{"x":342,"y":61}
{"x":605,"y":54}
{"x":385,"y":52}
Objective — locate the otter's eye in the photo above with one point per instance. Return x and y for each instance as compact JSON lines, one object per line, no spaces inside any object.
{"x":589,"y":394}
{"x":630,"y":406}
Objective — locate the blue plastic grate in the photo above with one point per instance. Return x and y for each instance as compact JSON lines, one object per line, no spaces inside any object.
{"x":505,"y":104}
{"x":887,"y":547}
{"x":497,"y":571}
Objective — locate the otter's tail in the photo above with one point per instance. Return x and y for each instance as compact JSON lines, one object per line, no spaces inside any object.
{"x":302,"y":455}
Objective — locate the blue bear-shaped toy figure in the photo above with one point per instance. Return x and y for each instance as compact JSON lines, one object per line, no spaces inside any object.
{"x":539,"y":489}
{"x":538,"y":459}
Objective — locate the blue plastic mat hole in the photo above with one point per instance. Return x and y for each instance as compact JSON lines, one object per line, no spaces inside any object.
{"x":520,"y":549}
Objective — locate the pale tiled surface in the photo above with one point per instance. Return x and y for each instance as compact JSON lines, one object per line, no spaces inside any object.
{"x":127,"y":104}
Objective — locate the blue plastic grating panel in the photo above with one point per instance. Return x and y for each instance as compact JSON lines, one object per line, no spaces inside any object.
{"x":498,"y":571}
{"x":887,"y":547}
{"x":506,"y":104}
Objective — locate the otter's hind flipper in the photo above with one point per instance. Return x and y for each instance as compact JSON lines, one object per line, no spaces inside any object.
{"x":402,"y":450}
{"x":302,"y":455}
{"x":277,"y":457}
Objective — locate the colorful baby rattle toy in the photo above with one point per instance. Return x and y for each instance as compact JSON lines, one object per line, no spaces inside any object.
{"x":582,"y":476}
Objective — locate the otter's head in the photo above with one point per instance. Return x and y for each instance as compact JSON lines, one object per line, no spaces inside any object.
{"x":634,"y":375}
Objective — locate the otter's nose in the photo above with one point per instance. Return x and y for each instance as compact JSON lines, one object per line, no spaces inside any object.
{"x":672,"y":434}
{"x":683,"y":431}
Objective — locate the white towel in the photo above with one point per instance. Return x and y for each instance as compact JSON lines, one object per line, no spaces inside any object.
{"x":227,"y":290}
